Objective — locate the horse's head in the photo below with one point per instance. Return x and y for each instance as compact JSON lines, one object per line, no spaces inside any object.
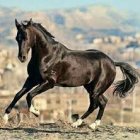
{"x":23,"y":39}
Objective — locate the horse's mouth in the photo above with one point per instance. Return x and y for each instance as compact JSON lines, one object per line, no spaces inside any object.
{"x":22,"y":61}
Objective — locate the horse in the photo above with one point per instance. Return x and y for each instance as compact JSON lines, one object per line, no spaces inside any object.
{"x":53,"y":64}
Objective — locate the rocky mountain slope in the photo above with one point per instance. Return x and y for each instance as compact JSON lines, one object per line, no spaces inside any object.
{"x":93,"y":21}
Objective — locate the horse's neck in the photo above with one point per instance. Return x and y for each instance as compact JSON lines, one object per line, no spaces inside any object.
{"x":51,"y":55}
{"x":44,"y":47}
{"x":35,"y":53}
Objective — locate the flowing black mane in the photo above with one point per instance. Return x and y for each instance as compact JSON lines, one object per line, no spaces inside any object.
{"x":44,"y":31}
{"x":46,"y":34}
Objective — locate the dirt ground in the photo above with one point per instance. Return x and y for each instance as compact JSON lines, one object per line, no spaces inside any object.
{"x":30,"y":129}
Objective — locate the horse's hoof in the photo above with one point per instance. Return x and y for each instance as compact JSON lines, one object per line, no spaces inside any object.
{"x":98,"y":122}
{"x":34,"y":111}
{"x":92,"y":126}
{"x":77,"y":123}
{"x":5,"y":118}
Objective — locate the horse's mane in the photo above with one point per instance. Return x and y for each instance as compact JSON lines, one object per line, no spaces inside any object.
{"x":46,"y":34}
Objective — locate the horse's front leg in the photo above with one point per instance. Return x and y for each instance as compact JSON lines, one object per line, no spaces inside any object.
{"x":28,"y":85}
{"x":38,"y":90}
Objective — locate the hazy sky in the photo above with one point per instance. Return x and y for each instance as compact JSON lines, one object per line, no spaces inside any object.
{"x":129,"y":5}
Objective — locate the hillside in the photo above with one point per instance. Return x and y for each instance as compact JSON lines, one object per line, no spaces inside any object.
{"x":93,"y":21}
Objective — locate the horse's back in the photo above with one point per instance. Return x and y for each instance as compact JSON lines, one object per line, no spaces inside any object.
{"x":91,"y":55}
{"x":81,"y":67}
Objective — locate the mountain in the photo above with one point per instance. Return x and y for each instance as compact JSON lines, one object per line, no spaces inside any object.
{"x":93,"y":21}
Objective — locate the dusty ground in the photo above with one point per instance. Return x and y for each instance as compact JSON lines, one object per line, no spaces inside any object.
{"x":32,"y":130}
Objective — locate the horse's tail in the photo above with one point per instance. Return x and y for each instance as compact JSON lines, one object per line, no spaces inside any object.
{"x":131,"y":77}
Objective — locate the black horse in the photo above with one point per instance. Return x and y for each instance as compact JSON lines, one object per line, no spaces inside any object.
{"x":53,"y":64}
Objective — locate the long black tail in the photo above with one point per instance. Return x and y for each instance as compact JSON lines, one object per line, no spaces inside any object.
{"x":131,"y":76}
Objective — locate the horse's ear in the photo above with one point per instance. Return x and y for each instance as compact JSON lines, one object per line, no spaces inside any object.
{"x":30,"y":22}
{"x":17,"y":24}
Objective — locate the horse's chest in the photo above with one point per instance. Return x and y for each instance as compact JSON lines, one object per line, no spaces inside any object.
{"x":33,"y":69}
{"x":43,"y":72}
{"x":47,"y":72}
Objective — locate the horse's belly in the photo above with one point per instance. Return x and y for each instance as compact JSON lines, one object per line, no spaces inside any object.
{"x":72,"y":80}
{"x":74,"y":74}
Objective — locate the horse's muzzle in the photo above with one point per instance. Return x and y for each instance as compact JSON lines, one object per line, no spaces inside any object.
{"x":22,"y":58}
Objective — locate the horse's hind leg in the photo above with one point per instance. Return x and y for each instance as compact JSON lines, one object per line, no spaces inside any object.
{"x":102,"y":104}
{"x":94,"y":103}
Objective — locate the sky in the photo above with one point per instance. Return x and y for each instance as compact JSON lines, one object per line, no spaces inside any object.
{"x":35,"y":5}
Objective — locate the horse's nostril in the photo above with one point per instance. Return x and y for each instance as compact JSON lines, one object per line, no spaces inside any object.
{"x":23,"y":57}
